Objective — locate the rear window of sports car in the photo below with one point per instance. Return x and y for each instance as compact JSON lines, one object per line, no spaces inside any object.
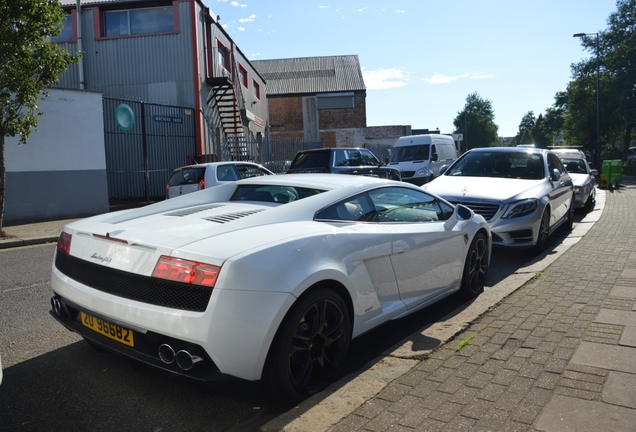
{"x":272,"y":193}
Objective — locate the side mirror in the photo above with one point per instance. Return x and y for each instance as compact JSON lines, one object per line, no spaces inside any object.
{"x":461,"y":213}
{"x":434,"y":157}
{"x":443,"y":169}
{"x":555,"y":175}
{"x":594,"y":172}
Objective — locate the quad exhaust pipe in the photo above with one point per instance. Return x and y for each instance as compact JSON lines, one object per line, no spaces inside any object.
{"x":184,"y":359}
{"x":56,"y":305}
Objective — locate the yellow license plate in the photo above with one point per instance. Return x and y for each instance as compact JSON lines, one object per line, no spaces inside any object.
{"x":110,"y":330}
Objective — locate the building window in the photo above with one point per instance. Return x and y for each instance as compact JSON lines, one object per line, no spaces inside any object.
{"x":67,"y":31}
{"x":224,"y":56}
{"x":243,"y":76}
{"x":257,"y":89}
{"x":131,"y":22}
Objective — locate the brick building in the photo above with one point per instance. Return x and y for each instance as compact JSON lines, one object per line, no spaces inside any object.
{"x":315,"y":98}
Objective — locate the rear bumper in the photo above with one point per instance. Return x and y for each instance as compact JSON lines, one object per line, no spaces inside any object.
{"x":146,"y":344}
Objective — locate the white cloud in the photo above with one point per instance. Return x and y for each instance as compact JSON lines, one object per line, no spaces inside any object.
{"x":445,"y":79}
{"x":323,"y":7}
{"x":400,"y":11}
{"x":362,"y":9}
{"x":240,"y":28}
{"x":237,"y":4}
{"x":381,"y":78}
{"x":248,"y":19}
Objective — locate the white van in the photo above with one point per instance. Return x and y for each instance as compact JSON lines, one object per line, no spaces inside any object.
{"x":420,"y":157}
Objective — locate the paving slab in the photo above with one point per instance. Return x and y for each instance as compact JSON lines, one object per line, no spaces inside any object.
{"x":624,"y":292}
{"x":604,"y":356}
{"x":567,"y":414}
{"x":616,"y":317}
{"x":628,"y":338}
{"x":620,"y":389}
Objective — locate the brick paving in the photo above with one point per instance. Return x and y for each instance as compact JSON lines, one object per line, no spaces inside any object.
{"x":501,"y":372}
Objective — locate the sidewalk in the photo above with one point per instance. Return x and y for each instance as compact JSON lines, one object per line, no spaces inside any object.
{"x":557,"y":353}
{"x":34,"y":233}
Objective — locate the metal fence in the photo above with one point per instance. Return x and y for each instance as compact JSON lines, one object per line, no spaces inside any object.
{"x":274,"y":155}
{"x":144,"y":143}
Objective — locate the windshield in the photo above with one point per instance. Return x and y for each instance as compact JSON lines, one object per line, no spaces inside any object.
{"x":519,"y":165}
{"x":410,"y":153}
{"x":574,"y":165}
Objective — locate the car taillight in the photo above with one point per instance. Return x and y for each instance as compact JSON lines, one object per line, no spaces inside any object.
{"x":64,"y":242}
{"x":190,"y":272}
{"x":202,"y":183}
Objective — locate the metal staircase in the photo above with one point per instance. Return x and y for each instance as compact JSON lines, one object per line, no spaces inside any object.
{"x":223,"y":99}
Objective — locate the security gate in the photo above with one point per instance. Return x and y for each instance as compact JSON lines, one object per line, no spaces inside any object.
{"x":144,"y":143}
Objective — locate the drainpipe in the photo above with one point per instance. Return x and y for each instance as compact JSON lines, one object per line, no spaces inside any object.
{"x":198,"y":121}
{"x":80,"y":62}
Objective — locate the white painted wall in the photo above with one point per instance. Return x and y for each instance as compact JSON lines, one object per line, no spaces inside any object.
{"x":60,"y":173}
{"x":70,"y":135}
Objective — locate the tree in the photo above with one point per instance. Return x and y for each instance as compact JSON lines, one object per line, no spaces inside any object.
{"x":28,"y":65}
{"x":524,"y":135}
{"x":617,"y":96}
{"x":476,"y":123}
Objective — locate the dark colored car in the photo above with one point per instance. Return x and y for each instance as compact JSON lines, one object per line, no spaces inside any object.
{"x":341,"y":160}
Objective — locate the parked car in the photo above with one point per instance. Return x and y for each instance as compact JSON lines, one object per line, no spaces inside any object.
{"x":631,"y":155}
{"x":524,"y":193}
{"x":235,"y":281}
{"x":341,"y":160}
{"x":582,"y":175}
{"x":420,"y":158}
{"x":194,"y":178}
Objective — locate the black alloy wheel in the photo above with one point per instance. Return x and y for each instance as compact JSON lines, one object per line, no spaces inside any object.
{"x":569,"y":223}
{"x":544,"y":231}
{"x":310,"y":347}
{"x":476,"y":267}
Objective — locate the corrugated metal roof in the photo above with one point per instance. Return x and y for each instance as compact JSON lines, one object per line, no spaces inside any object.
{"x":98,"y":2}
{"x":310,"y":75}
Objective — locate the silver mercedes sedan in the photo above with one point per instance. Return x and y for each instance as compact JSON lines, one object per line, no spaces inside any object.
{"x":524,"y":193}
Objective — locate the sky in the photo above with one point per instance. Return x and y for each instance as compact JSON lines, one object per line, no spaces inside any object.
{"x":421,"y":59}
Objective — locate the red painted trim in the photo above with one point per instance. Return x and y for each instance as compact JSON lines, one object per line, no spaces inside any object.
{"x":99,"y":32}
{"x":198,"y":121}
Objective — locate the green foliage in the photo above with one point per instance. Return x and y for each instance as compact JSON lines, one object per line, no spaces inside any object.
{"x":476,"y":122}
{"x":28,"y":63}
{"x":617,"y":84}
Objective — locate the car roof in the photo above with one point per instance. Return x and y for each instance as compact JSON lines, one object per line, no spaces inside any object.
{"x":508,"y":150}
{"x":207,"y":164}
{"x":332,"y":148}
{"x":571,"y":152}
{"x":319,"y":181}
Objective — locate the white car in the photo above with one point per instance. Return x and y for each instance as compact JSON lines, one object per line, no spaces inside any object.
{"x":524,"y":193}
{"x":265,"y":278}
{"x":193,"y":178}
{"x":582,"y":176}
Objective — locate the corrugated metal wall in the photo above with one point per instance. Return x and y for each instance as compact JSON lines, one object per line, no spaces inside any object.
{"x":144,"y":143}
{"x":154,"y":68}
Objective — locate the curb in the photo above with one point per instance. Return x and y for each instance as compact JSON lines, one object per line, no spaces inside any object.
{"x":12,"y":243}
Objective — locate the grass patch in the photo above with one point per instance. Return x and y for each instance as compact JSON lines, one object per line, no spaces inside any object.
{"x":465,"y":342}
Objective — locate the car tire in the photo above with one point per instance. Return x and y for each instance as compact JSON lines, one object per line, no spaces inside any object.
{"x":569,"y":222}
{"x":544,"y":231}
{"x":589,"y":204}
{"x":310,"y":347}
{"x":475,"y":268}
